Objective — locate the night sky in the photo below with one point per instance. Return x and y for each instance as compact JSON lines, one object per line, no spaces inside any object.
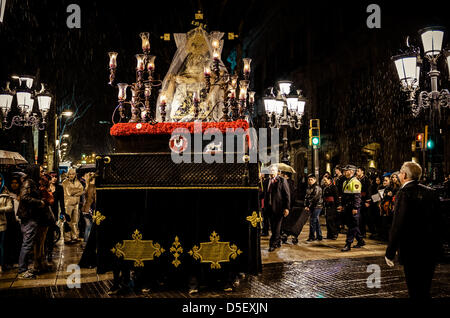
{"x":286,"y":39}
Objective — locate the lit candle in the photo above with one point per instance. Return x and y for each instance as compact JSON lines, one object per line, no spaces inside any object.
{"x":216,"y":54}
{"x":122,"y":91}
{"x":195,"y":97}
{"x":112,"y":59}
{"x":251,"y":97}
{"x":140,"y":62}
{"x":145,"y":37}
{"x":215,"y":39}
{"x":243,"y":93}
{"x":151,"y":63}
{"x":234,"y":79}
{"x":163,"y":100}
{"x":247,"y":62}
{"x":207,"y":70}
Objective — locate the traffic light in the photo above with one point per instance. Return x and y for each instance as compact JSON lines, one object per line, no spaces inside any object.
{"x":314,"y":132}
{"x":419,"y":141}
{"x":430,"y":144}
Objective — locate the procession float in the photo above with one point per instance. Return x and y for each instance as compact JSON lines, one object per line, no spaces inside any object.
{"x":166,"y":202}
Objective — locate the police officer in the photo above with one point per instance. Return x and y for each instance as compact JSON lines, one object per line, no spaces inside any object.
{"x":350,"y":207}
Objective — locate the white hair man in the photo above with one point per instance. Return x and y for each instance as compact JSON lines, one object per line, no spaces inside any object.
{"x":276,"y":204}
{"x":415,"y":231}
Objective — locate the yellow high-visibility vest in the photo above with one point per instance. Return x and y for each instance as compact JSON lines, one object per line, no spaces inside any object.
{"x":352,"y":186}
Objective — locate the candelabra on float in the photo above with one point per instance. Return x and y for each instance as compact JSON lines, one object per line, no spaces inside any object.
{"x":140,"y":105}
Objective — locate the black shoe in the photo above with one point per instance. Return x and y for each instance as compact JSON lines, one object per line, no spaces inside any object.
{"x":310,"y":240}
{"x":294,"y":240}
{"x":319,"y":239}
{"x":272,"y":248}
{"x":284,"y":239}
{"x":359,"y":244}
{"x":346,"y":248}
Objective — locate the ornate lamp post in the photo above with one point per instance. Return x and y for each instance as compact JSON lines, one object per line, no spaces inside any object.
{"x":284,"y":110}
{"x":26,"y":114}
{"x":408,"y":67}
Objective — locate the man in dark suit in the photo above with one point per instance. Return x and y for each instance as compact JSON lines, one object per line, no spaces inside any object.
{"x":415,"y":231}
{"x":276,"y":204}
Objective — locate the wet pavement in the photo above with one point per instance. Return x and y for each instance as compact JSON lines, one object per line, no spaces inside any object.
{"x":305,"y":270}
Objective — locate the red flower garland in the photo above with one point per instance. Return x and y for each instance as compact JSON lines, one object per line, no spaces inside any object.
{"x":135,"y":129}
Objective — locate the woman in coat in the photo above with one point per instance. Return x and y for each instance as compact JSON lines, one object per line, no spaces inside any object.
{"x":330,"y":203}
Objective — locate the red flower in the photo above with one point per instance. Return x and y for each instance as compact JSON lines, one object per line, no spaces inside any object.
{"x":133,"y":129}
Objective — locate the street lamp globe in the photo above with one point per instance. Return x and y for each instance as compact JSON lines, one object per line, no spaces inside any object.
{"x":407,"y":69}
{"x":6,"y":101}
{"x":285,"y":87}
{"x":292,"y":101}
{"x":24,"y":100}
{"x":67,"y":113}
{"x":279,"y":104}
{"x":269,"y":104}
{"x":28,"y":80}
{"x":432,"y":38}
{"x":44,"y":102}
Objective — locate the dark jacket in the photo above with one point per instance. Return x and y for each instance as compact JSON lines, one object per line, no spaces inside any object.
{"x":313,"y":198}
{"x":416,"y":227}
{"x":330,"y":196}
{"x":58,"y":197}
{"x":277,"y":197}
{"x":366,"y":186}
{"x":30,"y":201}
{"x":339,"y":182}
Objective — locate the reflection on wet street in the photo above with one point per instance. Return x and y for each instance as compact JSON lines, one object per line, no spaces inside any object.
{"x":306,"y":270}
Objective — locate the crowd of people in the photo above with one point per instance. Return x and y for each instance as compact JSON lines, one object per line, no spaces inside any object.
{"x":353,"y":202}
{"x":35,"y":208}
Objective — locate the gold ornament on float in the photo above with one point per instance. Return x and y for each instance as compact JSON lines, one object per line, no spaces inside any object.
{"x":215,"y":252}
{"x":98,"y":218}
{"x":137,"y":250}
{"x":254,"y":219}
{"x":176,"y":250}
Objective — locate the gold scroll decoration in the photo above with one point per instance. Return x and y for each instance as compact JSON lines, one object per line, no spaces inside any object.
{"x":215,"y":252}
{"x":254,"y":219}
{"x":98,"y":218}
{"x":176,"y":251}
{"x":138,"y":250}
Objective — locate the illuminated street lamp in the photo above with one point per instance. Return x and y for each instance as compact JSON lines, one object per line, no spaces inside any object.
{"x":284,"y":110}
{"x":408,"y":68}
